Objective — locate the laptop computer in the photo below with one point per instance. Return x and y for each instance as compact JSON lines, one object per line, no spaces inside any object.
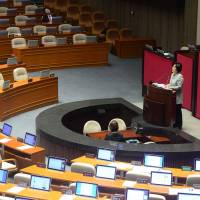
{"x":45,"y":73}
{"x":6,"y":85}
{"x":161,"y":178}
{"x":86,"y":189}
{"x":6,"y":130}
{"x":56,"y":163}
{"x":197,"y":164}
{"x":12,"y":61}
{"x":30,"y":139}
{"x":3,"y":175}
{"x":106,"y":154}
{"x":104,"y":171}
{"x":76,"y":29}
{"x":188,"y":196}
{"x":151,"y":160}
{"x":32,"y":43}
{"x":40,"y":183}
{"x":136,"y":194}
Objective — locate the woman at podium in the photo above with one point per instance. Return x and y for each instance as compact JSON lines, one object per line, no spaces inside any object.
{"x":176,"y":84}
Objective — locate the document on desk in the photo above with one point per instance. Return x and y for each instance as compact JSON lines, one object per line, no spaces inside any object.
{"x":121,"y":166}
{"x":129,"y":183}
{"x":174,"y":191}
{"x":5,"y":140}
{"x":67,"y":197}
{"x":15,"y":189}
{"x":24,"y":147}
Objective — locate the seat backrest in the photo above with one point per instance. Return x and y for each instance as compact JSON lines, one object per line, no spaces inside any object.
{"x":79,"y":38}
{"x":20,"y":20}
{"x":64,"y":28}
{"x":193,"y":179}
{"x":126,"y":33}
{"x":184,"y":48}
{"x":85,"y":19}
{"x":6,"y":198}
{"x":73,"y":11}
{"x":30,"y":9}
{"x":17,"y":3}
{"x":98,"y":16}
{"x":3,"y":11}
{"x":49,"y":40}
{"x":13,"y":30}
{"x":1,"y":80}
{"x":20,"y":73}
{"x":98,"y":27}
{"x":40,"y":29}
{"x":18,"y":43}
{"x":22,"y":179}
{"x":112,"y":35}
{"x":85,"y":8}
{"x":83,"y":167}
{"x":111,"y":23}
{"x":156,"y":197}
{"x":91,"y":126}
{"x":138,"y":176}
{"x":121,"y":124}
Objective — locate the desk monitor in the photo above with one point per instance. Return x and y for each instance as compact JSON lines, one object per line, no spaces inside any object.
{"x":12,"y":61}
{"x":33,"y":43}
{"x":106,"y":154}
{"x":86,"y":189}
{"x":151,"y":160}
{"x":104,"y":171}
{"x":136,"y":194}
{"x":3,"y":175}
{"x":6,"y":85}
{"x":56,"y":163}
{"x":7,"y":128}
{"x":30,"y":139}
{"x":40,"y":183}
{"x":197,"y":164}
{"x":188,"y":196}
{"x":161,"y":178}
{"x":45,"y":73}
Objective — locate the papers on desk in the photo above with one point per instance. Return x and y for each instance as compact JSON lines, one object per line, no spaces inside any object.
{"x":15,"y":189}
{"x":175,"y":191}
{"x":129,"y":183}
{"x":5,"y":140}
{"x":121,"y":166}
{"x":67,"y":197}
{"x":160,"y":85}
{"x":24,"y":147}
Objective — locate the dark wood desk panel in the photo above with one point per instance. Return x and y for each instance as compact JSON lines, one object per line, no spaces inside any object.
{"x":132,"y":48}
{"x":63,"y":56}
{"x":25,"y":96}
{"x":7,"y":70}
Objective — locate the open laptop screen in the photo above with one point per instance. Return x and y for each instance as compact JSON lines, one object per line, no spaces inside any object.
{"x":86,"y":189}
{"x":153,"y":160}
{"x":56,"y":163}
{"x":30,"y":139}
{"x":40,"y":183}
{"x":189,"y":196}
{"x":103,"y":171}
{"x":161,"y":178}
{"x":137,"y":194}
{"x":197,"y":164}
{"x":3,"y":175}
{"x":7,"y":129}
{"x":106,"y":154}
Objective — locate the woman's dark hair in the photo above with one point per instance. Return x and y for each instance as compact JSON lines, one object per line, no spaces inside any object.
{"x":178,"y":66}
{"x":114,"y":126}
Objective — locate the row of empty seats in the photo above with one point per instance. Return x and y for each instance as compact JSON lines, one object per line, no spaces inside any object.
{"x":15,"y":3}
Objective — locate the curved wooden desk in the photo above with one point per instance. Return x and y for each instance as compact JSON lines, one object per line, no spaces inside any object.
{"x":25,"y":96}
{"x":63,"y":56}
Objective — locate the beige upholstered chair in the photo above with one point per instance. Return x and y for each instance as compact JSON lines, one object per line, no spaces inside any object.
{"x":134,"y":176}
{"x":49,"y":40}
{"x":3,"y":11}
{"x":40,"y":30}
{"x":1,"y":80}
{"x":6,"y":198}
{"x":22,"y":179}
{"x":126,"y":33}
{"x":193,"y":179}
{"x":13,"y":30}
{"x":17,"y":3}
{"x":83,"y":167}
{"x":149,"y":142}
{"x":20,"y":20}
{"x":121,"y":124}
{"x":30,"y":9}
{"x":112,"y":35}
{"x":20,"y":73}
{"x":79,"y":38}
{"x":184,"y":48}
{"x":156,"y":197}
{"x":18,"y":43}
{"x":91,"y":126}
{"x":9,"y":164}
{"x":64,"y":28}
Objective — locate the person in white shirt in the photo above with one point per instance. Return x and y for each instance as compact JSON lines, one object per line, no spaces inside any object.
{"x":47,"y":17}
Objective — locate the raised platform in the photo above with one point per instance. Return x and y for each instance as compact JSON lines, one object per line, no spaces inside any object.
{"x":59,"y":131}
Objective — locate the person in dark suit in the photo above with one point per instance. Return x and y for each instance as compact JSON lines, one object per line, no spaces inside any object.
{"x":47,"y":17}
{"x":114,"y":135}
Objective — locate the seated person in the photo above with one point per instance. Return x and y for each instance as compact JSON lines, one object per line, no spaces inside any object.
{"x":47,"y":17}
{"x":114,"y":135}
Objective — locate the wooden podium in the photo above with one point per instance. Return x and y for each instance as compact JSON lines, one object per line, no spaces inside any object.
{"x":159,"y":106}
